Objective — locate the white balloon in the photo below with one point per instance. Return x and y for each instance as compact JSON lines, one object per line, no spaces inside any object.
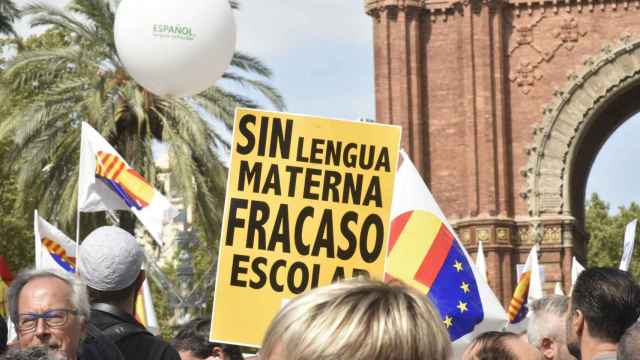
{"x":175,"y":47}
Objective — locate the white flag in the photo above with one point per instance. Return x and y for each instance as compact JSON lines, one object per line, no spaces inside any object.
{"x":418,"y":226}
{"x":11,"y":330}
{"x":144,"y":310}
{"x":576,"y":269}
{"x":629,"y":240}
{"x":107,"y":182}
{"x":535,"y":287}
{"x":481,"y":263}
{"x":558,"y":289}
{"x":149,"y":310}
{"x":53,"y":249}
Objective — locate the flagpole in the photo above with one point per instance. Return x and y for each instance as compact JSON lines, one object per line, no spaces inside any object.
{"x":78,"y":202}
{"x":82,"y":145}
{"x":37,"y":239}
{"x":78,"y":241}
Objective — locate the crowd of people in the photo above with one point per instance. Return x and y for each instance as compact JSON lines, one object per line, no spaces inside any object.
{"x":90,"y":317}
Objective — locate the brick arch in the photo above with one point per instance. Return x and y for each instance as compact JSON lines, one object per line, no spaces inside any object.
{"x":466,"y":80}
{"x":582,"y":116}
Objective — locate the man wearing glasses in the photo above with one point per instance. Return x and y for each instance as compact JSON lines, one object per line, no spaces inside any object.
{"x":49,"y":308}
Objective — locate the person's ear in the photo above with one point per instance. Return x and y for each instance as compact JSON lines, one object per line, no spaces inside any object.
{"x":577,"y":321}
{"x":548,"y":348}
{"x":217,"y":352}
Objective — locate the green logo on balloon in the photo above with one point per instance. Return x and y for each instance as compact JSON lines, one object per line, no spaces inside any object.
{"x":181,"y":32}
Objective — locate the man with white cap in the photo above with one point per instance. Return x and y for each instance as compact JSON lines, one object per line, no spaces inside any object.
{"x":111,"y":265}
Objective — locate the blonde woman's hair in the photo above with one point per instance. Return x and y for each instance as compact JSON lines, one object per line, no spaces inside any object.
{"x":358,"y":319}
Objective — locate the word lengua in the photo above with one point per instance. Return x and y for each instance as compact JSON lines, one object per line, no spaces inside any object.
{"x":307,"y":203}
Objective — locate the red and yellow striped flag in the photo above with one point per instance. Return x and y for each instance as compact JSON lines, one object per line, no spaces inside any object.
{"x":107,"y":182}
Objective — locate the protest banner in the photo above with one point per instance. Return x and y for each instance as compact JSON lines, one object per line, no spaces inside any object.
{"x":307,"y":202}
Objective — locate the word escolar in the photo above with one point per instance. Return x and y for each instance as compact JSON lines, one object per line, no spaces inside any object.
{"x":297,"y":275}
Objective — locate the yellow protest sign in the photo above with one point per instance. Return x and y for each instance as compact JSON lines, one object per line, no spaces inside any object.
{"x":308,"y":202}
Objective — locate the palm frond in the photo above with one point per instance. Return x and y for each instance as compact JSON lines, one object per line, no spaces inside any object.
{"x":50,"y":91}
{"x":268,"y":91}
{"x":9,"y":13}
{"x":251,"y":64}
{"x":222,"y":104}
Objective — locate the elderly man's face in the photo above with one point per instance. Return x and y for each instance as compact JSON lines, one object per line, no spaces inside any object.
{"x":41,"y":295}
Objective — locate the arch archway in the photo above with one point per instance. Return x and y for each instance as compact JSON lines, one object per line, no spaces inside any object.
{"x":593,"y":104}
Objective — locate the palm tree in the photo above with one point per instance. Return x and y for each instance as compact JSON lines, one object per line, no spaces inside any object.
{"x":8,"y":14}
{"x":52,"y":90}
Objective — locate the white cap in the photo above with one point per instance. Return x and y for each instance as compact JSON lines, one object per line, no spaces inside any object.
{"x":110,"y":259}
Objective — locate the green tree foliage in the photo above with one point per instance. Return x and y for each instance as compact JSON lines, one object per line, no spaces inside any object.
{"x":162,"y":303}
{"x":17,"y":222}
{"x":8,"y":14}
{"x":16,"y":243}
{"x":607,"y":234}
{"x":53,"y":89}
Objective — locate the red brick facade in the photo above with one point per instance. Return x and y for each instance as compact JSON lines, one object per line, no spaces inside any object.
{"x":504,"y":106}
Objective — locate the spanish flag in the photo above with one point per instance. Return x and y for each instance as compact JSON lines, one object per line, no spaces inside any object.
{"x":425,"y":253}
{"x":108,"y":183}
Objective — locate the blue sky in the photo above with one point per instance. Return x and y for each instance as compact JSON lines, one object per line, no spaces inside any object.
{"x":320,"y":51}
{"x":615,"y":175}
{"x":322,"y":58}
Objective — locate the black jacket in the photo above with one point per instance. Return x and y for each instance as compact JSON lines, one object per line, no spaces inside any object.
{"x":133,"y":340}
{"x":96,"y":346}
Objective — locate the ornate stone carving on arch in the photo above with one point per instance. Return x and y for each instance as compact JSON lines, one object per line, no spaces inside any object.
{"x":603,"y":76}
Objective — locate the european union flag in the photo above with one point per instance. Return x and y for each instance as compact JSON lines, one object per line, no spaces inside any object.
{"x":454,"y":290}
{"x":425,"y":254}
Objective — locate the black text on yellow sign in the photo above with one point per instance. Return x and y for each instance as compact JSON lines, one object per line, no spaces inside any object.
{"x":307,"y":203}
